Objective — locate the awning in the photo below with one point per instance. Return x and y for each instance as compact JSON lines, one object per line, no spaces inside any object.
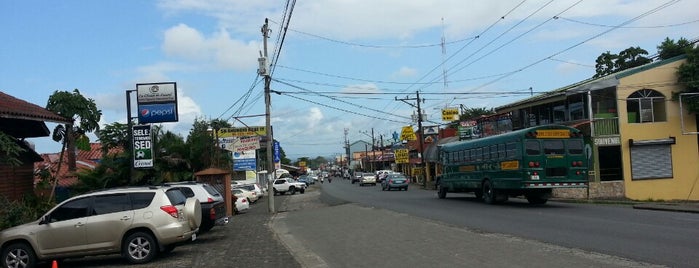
{"x":432,"y":151}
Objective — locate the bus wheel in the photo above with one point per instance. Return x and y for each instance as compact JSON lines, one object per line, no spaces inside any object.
{"x":441,"y":191}
{"x":488,"y":192}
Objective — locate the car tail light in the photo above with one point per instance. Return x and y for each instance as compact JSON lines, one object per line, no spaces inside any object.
{"x":535,"y":173}
{"x":209,"y":200}
{"x":245,"y":200}
{"x":533,"y":164}
{"x":212,"y":214}
{"x":172,"y":210}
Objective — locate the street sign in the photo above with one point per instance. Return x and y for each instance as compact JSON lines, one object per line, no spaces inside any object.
{"x":450,"y":114}
{"x":142,"y":147}
{"x":402,"y":156}
{"x":407,"y":134}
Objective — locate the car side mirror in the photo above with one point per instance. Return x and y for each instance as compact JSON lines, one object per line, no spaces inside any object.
{"x":44,"y":219}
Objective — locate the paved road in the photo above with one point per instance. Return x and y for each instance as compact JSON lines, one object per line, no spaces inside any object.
{"x":323,"y":232}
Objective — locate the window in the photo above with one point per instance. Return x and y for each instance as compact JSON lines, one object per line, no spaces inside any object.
{"x":105,"y":204}
{"x":141,"y":200}
{"x":494,"y":152}
{"x":532,"y":147}
{"x":72,"y":210}
{"x":554,"y":147}
{"x":646,"y":106}
{"x":479,"y":154}
{"x":511,"y":150}
{"x":575,"y":147}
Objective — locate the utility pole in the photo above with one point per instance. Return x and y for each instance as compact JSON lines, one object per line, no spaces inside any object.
{"x":264,"y":71}
{"x":419,"y":126}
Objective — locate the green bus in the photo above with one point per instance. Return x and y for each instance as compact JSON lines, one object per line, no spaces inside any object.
{"x":527,"y":162}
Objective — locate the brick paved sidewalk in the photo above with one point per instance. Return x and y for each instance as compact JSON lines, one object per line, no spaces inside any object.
{"x":246,"y":241}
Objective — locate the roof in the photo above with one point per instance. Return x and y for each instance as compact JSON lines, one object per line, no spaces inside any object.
{"x":22,"y":119}
{"x":588,"y":84}
{"x":85,"y":160}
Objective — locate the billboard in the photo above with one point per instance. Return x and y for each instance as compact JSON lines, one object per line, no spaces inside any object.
{"x":157,"y":113}
{"x":157,"y":102}
{"x":245,"y":160}
{"x":142,"y":147}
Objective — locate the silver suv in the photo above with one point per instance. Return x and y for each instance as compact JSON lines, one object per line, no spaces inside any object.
{"x":138,"y":222}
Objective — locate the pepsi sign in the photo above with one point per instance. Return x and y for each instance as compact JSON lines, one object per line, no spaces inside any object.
{"x":157,"y":113}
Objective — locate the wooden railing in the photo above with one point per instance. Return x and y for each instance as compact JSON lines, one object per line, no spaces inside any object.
{"x":606,"y":126}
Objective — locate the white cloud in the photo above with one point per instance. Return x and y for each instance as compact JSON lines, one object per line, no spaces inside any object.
{"x":405,"y":72}
{"x":218,"y":50}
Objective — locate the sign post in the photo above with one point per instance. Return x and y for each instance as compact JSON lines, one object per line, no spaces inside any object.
{"x":142,"y":146}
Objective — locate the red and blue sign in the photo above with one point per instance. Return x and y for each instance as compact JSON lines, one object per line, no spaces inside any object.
{"x":156,"y":113}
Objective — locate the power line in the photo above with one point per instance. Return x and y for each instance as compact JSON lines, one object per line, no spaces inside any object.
{"x":627,"y":27}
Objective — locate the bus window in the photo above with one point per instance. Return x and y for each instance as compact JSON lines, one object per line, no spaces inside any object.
{"x":532,"y":147}
{"x":575,"y":147}
{"x":479,"y":154}
{"x":511,"y":150}
{"x":501,"y":151}
{"x":493,"y":152}
{"x":554,"y":147}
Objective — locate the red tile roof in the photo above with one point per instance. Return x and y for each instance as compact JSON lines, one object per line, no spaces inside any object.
{"x":11,"y":107}
{"x":85,"y":160}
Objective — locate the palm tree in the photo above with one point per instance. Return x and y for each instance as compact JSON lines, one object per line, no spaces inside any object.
{"x":81,"y":110}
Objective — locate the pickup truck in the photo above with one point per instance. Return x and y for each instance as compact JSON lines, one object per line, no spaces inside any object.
{"x":286,"y":185}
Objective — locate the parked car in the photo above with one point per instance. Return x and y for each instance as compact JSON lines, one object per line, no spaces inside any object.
{"x":282,"y":186}
{"x":251,"y":187}
{"x":244,"y":193}
{"x":138,"y":222}
{"x":213,"y":207}
{"x":241,"y":205}
{"x":395,"y":181}
{"x":367,"y":178}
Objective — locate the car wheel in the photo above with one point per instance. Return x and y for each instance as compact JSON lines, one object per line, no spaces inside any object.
{"x":18,"y":255}
{"x":139,"y":247}
{"x":292,"y":191}
{"x":192,"y":210}
{"x":302,"y":190}
{"x":406,"y":188}
{"x":441,"y":191}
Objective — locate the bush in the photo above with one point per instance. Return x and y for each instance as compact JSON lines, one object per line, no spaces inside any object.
{"x":14,"y":213}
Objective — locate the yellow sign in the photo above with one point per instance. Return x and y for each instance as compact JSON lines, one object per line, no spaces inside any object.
{"x":553,"y":133}
{"x":509,"y":165}
{"x":302,"y":163}
{"x":417,"y":171}
{"x":241,"y":132}
{"x":402,"y":156}
{"x":467,"y":168}
{"x":407,"y":134}
{"x":450,"y":114}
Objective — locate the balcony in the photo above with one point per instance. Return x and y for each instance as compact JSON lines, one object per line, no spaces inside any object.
{"x":606,"y":126}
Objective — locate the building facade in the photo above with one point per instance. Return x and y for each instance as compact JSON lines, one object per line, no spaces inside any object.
{"x":641,"y":144}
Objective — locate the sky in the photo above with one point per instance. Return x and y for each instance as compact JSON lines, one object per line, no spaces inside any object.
{"x":342,"y":70}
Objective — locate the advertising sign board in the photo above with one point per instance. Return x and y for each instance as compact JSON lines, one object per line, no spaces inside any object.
{"x":157,"y":92}
{"x":156,"y":113}
{"x":241,"y":132}
{"x":244,"y":160}
{"x":142,"y":147}
{"x":402,"y":156}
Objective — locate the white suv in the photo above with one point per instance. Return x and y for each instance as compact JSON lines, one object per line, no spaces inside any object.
{"x":213,"y":207}
{"x":138,"y":222}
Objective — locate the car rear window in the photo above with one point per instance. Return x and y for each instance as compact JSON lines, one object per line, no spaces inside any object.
{"x":176,"y":196}
{"x":111,"y":203}
{"x":211,"y":190}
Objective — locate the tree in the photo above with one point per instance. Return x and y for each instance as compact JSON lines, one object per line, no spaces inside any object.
{"x":114,"y":135}
{"x":688,"y":75}
{"x":609,"y":63}
{"x":604,"y":65}
{"x":9,"y":150}
{"x":668,"y":48}
{"x":471,"y":113}
{"x":81,"y":110}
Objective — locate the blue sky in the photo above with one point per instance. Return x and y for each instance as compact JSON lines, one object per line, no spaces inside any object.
{"x":342,"y":63}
